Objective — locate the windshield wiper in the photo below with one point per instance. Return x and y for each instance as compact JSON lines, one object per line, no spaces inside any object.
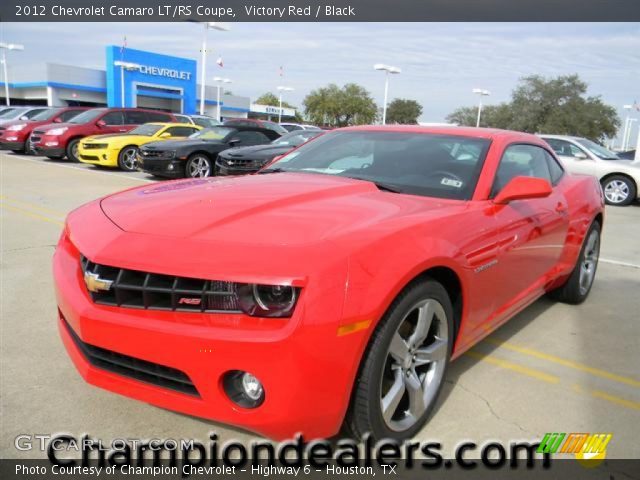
{"x":272,"y":170}
{"x":385,"y":187}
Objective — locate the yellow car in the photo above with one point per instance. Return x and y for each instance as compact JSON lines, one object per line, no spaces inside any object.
{"x":120,"y":150}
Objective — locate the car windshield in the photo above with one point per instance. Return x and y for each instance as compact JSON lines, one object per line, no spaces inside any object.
{"x":9,"y":112}
{"x":205,"y":122}
{"x":87,"y":116}
{"x":597,"y":150}
{"x":275,"y":127}
{"x":215,"y":133}
{"x":46,"y":114}
{"x":146,"y":130}
{"x":442,"y":166}
{"x":295,"y":138}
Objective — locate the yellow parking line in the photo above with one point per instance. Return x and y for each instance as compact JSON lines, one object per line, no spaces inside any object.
{"x":26,"y":213}
{"x":540,"y":375}
{"x":564,"y":362}
{"x":617,"y":400}
{"x":32,"y":206}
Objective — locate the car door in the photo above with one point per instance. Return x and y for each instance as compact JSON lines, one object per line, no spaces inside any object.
{"x":531,"y":233}
{"x":573,"y":157}
{"x":113,"y":122}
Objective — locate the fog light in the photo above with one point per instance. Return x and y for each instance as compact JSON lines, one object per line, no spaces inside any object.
{"x":243,"y":388}
{"x":12,"y":139}
{"x":104,"y":156}
{"x":170,"y":167}
{"x":51,"y":144}
{"x":252,"y":386}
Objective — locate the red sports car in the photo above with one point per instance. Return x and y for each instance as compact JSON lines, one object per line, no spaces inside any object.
{"x":334,"y":286}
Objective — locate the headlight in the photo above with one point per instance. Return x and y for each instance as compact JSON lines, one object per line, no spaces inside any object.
{"x":16,"y":128}
{"x":56,"y":131}
{"x":168,"y":154}
{"x":267,"y":300}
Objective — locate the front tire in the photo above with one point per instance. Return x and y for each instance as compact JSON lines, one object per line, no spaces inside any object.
{"x":72,"y":150}
{"x":619,"y":190}
{"x":403,"y":369}
{"x":127,"y":160}
{"x":577,"y":287}
{"x":198,"y":166}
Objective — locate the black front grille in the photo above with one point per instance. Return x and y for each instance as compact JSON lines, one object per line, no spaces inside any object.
{"x":135,"y":368}
{"x":36,"y":135}
{"x":2,"y":129}
{"x":94,"y":146}
{"x":151,"y":291}
{"x":89,"y":157}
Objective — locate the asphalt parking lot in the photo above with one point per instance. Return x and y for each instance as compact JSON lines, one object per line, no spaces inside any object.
{"x":553,"y":368}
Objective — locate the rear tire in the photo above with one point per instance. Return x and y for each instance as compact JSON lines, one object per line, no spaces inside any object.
{"x":577,"y":287}
{"x":72,"y":150}
{"x":402,"y":371}
{"x":619,"y":190}
{"x":127,"y":159}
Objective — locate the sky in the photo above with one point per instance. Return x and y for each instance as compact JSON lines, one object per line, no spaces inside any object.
{"x":441,"y":62}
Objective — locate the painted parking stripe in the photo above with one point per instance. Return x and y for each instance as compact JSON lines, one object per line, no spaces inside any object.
{"x":29,"y":214}
{"x":597,"y":372}
{"x":619,"y":263}
{"x":531,"y":372}
{"x":32,"y":206}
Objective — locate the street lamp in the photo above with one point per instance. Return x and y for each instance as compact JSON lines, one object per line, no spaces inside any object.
{"x":388,"y":69}
{"x":482,"y":93}
{"x":627,"y":138}
{"x":219,"y":81}
{"x":124,"y":66}
{"x":207,"y":25}
{"x":626,"y":127}
{"x":282,"y":89}
{"x":5,"y":47}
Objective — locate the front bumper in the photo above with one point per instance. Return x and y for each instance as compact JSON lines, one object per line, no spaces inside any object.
{"x":170,"y":167}
{"x":306,"y":369}
{"x":98,"y":156}
{"x":223,"y":170}
{"x":15,"y":146}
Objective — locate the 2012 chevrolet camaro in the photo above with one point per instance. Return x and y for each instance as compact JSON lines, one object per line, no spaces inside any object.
{"x":334,"y":286}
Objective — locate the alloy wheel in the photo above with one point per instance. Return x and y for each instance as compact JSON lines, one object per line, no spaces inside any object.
{"x":129,"y":161}
{"x":199,"y":167}
{"x":414,"y":365}
{"x":590,"y":261}
{"x":616,"y":191}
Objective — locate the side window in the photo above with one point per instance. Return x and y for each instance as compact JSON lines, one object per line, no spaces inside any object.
{"x":521,"y":160}
{"x":252,"y":138}
{"x":157,"y":117}
{"x":113,"y":118}
{"x":68,"y":115}
{"x":133,"y":117}
{"x":555,"y":170}
{"x":564,"y":148}
{"x":180,"y":131}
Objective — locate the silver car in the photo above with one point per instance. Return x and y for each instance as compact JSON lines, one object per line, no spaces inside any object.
{"x":619,"y":178}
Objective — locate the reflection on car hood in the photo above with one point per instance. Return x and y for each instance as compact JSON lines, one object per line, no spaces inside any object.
{"x":278,"y":208}
{"x":256,"y":151}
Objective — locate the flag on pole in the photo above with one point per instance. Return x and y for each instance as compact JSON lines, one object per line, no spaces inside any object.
{"x":124,"y":45}
{"x":636,"y":105}
{"x":281,"y":72}
{"x":219,"y":62}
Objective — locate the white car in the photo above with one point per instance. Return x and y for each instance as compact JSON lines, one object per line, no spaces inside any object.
{"x":201,"y":120}
{"x":298,"y":126}
{"x":620,"y":179}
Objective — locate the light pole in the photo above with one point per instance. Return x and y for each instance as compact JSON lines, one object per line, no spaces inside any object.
{"x":627,"y":138}
{"x":389,"y":70}
{"x":4,"y":47}
{"x":282,"y":89}
{"x":207,"y":25}
{"x":124,"y":66}
{"x":626,"y":127}
{"x":219,"y":81}
{"x":482,"y":93}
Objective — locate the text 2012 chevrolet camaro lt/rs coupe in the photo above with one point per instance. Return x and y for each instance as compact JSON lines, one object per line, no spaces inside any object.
{"x":334,"y":286}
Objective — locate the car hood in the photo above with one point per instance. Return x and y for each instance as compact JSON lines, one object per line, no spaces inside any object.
{"x":111,"y":136}
{"x":256,"y":151}
{"x":176,"y":144}
{"x":276,"y":209}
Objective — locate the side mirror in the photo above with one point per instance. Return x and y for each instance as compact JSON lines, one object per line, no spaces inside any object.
{"x":522,"y":188}
{"x":581,"y":156}
{"x":165,"y":135}
{"x":24,"y":117}
{"x":234,"y":141}
{"x":57,"y":120}
{"x":101,"y":123}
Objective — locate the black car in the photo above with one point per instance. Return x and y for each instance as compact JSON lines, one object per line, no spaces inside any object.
{"x":195,"y":156}
{"x":242,"y":160}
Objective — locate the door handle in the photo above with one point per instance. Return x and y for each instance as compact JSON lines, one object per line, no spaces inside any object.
{"x":561,"y":208}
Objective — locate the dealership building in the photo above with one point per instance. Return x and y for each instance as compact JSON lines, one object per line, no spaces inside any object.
{"x":135,"y":77}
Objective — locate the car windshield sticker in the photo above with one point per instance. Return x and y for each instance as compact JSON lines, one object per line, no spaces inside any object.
{"x":450,"y":182}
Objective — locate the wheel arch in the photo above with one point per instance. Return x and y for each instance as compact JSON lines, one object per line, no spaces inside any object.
{"x":619,"y":174}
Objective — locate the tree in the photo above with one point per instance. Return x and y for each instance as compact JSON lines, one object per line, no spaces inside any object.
{"x":349,"y":105}
{"x":540,"y":105}
{"x":404,"y":111}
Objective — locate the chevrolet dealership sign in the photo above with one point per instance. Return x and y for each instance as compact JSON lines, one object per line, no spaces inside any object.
{"x":165,"y":72}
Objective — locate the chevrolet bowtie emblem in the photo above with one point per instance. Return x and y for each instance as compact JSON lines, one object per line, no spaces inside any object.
{"x":96,"y":284}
